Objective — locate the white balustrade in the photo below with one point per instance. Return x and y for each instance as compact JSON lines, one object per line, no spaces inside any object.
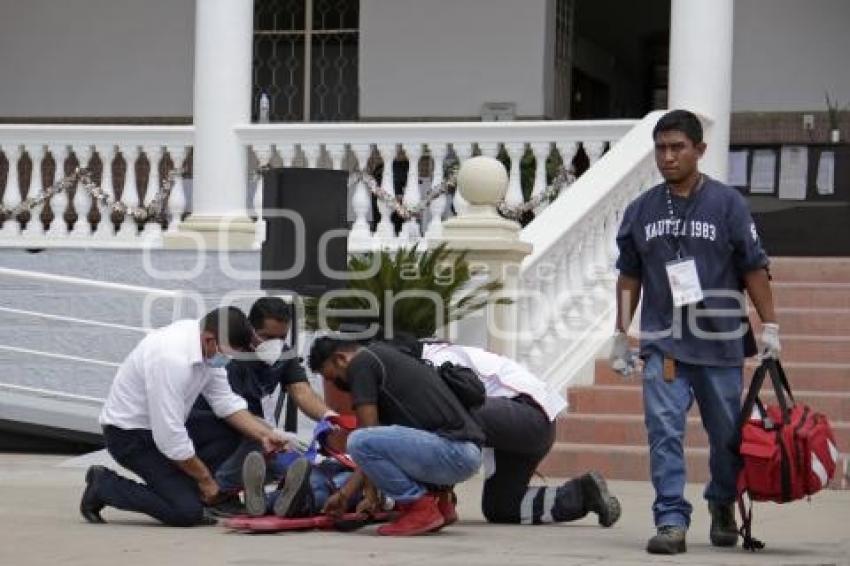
{"x":361,"y":204}
{"x":83,"y":141}
{"x":177,"y":199}
{"x":412,"y":197}
{"x":130,"y":194}
{"x":540,"y":152}
{"x":386,"y":230}
{"x":437,"y":205}
{"x":514,"y":195}
{"x":263,"y":154}
{"x":152,"y":229}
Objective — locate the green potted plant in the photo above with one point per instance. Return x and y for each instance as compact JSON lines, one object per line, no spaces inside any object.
{"x":833,"y":114}
{"x":416,"y":293}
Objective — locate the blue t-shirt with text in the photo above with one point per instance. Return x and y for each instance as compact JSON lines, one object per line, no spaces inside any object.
{"x":715,"y":228}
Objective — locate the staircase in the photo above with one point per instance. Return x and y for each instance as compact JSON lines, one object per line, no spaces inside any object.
{"x":604,"y":428}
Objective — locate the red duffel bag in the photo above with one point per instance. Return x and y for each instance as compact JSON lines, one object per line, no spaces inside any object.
{"x":788,"y":449}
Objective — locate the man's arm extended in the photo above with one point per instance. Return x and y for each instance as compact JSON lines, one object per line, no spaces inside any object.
{"x":307,"y":400}
{"x":367,"y":415}
{"x":258,"y":429}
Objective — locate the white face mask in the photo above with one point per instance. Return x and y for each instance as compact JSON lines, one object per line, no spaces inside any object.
{"x":269,"y":351}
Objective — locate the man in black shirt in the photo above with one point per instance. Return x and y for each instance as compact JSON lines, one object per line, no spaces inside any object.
{"x":223,"y":448}
{"x":413,"y":437}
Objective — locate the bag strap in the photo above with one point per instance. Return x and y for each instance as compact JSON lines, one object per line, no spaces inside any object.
{"x":746,"y":531}
{"x":386,"y":391}
{"x":753,"y":396}
{"x":780,"y":387}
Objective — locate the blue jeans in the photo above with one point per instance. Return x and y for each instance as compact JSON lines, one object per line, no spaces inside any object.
{"x":325,"y":479}
{"x":717,"y":391}
{"x":228,"y":476}
{"x":402,"y":461}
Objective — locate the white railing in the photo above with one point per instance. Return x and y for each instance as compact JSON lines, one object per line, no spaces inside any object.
{"x":104,"y":148}
{"x":567,"y":302}
{"x":432,"y":147}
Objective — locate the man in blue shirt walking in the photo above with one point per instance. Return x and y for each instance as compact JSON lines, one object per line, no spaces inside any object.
{"x":689,"y":248}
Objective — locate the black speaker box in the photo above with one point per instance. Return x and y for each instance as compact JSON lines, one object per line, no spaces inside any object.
{"x":306,"y":222}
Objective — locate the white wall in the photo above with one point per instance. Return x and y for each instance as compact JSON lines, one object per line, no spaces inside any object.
{"x":96,"y":58}
{"x":787,"y":52}
{"x":444,"y":58}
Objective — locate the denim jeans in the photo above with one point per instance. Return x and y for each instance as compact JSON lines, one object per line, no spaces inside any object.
{"x":717,"y":391}
{"x":325,"y":479}
{"x":403,"y":462}
{"x":228,"y":476}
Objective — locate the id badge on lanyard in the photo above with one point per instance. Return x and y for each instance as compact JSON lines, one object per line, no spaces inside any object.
{"x":684,"y":281}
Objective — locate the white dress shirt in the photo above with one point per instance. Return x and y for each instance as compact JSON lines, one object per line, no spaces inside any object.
{"x":158,"y":383}
{"x":501,"y":376}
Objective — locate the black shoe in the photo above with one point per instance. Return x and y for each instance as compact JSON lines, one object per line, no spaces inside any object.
{"x":724,"y":530}
{"x":228,"y":506}
{"x":90,"y":503}
{"x":669,"y":540}
{"x":599,"y":500}
{"x":254,"y":481}
{"x":296,"y":497}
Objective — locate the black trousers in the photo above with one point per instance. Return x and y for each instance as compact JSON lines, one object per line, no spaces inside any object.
{"x":521,"y":434}
{"x":167,"y":494}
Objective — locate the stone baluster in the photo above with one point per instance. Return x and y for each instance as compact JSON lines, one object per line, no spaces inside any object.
{"x":386,"y":231}
{"x":361,"y":204}
{"x":287,"y":150}
{"x":313,"y":155}
{"x":568,"y":151}
{"x":594,"y":151}
{"x":548,"y":286}
{"x":37,"y":153}
{"x":152,"y":228}
{"x":514,"y":197}
{"x":560,"y":308}
{"x":263,"y":154}
{"x":106,"y":228}
{"x":82,"y":199}
{"x":536,"y":354}
{"x":12,"y":193}
{"x":575,"y":308}
{"x":438,"y":205}
{"x":130,"y":194}
{"x":541,"y":152}
{"x":177,"y":199}
{"x":463,"y":152}
{"x":59,"y":201}
{"x":412,"y":197}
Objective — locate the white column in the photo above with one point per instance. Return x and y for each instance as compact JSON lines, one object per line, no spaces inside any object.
{"x":701,"y":71}
{"x":541,"y":152}
{"x":222,"y":99}
{"x":12,"y":194}
{"x":438,"y":205}
{"x":59,"y":201}
{"x":152,"y":227}
{"x":386,"y":230}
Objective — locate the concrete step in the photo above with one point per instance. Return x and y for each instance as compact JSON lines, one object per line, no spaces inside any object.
{"x":627,"y":399}
{"x":629,"y":430}
{"x":817,"y":269}
{"x":632,"y":463}
{"x":811,"y":295}
{"x":814,"y":376}
{"x":830,"y":321}
{"x":814,"y":349}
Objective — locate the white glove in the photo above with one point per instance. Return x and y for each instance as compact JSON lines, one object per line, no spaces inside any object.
{"x":623,"y":359}
{"x":770,"y":346}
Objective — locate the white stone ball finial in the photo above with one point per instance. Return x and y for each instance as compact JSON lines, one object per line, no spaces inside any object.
{"x":482,"y":181}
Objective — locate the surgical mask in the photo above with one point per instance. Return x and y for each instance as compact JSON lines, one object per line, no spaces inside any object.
{"x":218,"y":360}
{"x":269,"y":351}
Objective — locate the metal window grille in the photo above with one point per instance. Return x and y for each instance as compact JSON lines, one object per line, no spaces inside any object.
{"x":564,"y":17}
{"x":305,"y":59}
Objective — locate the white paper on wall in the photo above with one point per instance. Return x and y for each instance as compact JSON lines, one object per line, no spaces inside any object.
{"x":738,"y":168}
{"x":793,"y":167}
{"x":826,"y":173}
{"x":763,"y":175}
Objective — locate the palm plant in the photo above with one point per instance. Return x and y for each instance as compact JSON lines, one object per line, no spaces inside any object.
{"x":416,"y":293}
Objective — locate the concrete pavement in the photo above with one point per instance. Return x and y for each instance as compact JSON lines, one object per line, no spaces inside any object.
{"x":41,"y":526}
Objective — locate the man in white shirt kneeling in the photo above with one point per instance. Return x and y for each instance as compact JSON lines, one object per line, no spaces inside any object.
{"x":145,"y":413}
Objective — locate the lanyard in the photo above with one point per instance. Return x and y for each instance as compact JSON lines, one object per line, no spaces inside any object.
{"x":675,"y":235}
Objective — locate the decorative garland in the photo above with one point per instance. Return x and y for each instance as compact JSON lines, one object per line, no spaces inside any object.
{"x":563,"y":178}
{"x":82,"y":177}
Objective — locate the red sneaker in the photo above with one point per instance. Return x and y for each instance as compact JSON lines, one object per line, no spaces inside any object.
{"x":446,"y":502}
{"x":416,"y":518}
